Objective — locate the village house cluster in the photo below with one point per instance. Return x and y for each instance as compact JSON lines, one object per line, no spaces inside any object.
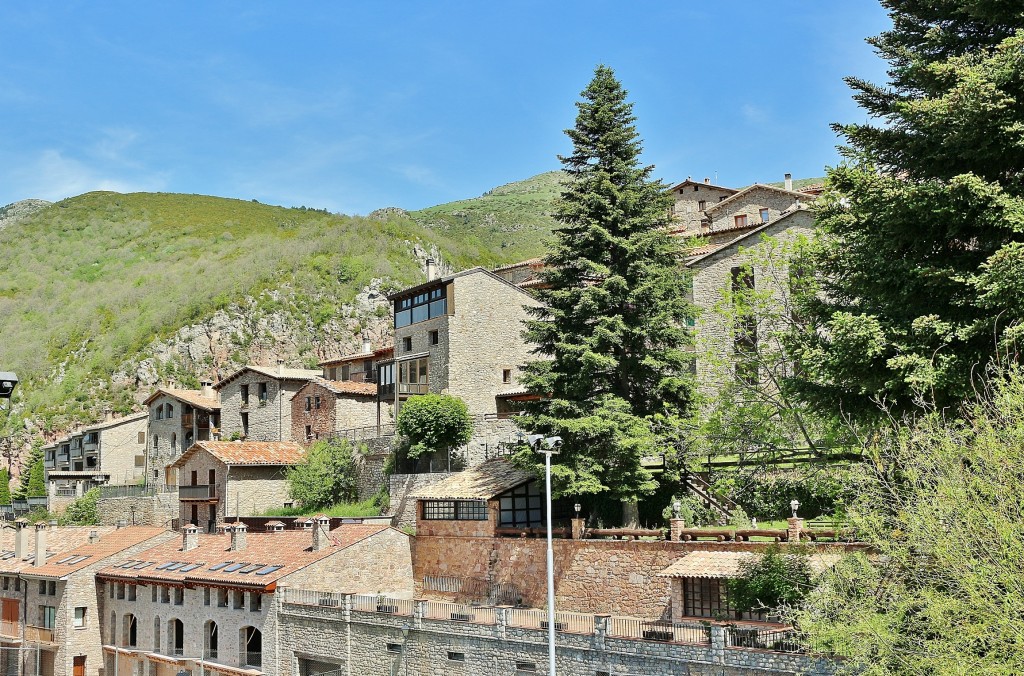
{"x":208,"y":585}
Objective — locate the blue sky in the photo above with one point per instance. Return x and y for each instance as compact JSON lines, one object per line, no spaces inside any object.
{"x":354,"y":106}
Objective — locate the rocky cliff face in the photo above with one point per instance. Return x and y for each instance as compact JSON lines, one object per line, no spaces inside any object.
{"x":12,"y":213}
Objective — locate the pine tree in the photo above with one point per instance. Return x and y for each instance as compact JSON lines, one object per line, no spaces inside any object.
{"x":5,"y":487}
{"x":613,"y":325}
{"x":922,"y":256}
{"x":32,"y":482}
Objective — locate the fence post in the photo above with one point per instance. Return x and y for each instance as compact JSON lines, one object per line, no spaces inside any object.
{"x":419,"y":609}
{"x":500,"y":620}
{"x":346,"y":604}
{"x":601,"y":630}
{"x":718,"y":643}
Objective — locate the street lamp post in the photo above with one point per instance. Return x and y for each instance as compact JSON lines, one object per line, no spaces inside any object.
{"x":548,"y":446}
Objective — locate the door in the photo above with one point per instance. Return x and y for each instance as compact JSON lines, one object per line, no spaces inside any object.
{"x":78,"y":666}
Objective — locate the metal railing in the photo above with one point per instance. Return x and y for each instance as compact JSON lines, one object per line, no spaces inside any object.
{"x":442,"y":610}
{"x":760,"y":638}
{"x":660,"y":630}
{"x":197,"y":492}
{"x":565,"y":622}
{"x":250,"y":659}
{"x":135,"y":491}
{"x":366,"y":432}
{"x":307,"y":597}
{"x":383,"y":604}
{"x":66,"y":491}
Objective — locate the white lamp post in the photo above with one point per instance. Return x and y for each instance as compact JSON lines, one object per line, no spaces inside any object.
{"x":548,"y":446}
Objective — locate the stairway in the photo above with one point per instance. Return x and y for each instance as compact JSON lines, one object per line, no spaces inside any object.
{"x":696,"y":483}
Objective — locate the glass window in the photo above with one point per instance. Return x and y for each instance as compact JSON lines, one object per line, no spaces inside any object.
{"x":421,"y":307}
{"x":48,"y":616}
{"x":521,"y":507}
{"x":80,"y":616}
{"x":454,"y":510}
{"x":764,"y":215}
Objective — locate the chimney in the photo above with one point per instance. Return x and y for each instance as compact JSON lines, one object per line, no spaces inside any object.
{"x":321,"y":528}
{"x":206,"y":389}
{"x":40,"y":544}
{"x":280,"y":366}
{"x":238,"y":531}
{"x":20,"y":539}
{"x":108,"y":414}
{"x":189,"y":537}
{"x":707,"y":180}
{"x":94,"y":537}
{"x":304,"y":524}
{"x":431,"y":270}
{"x":367,"y":346}
{"x":274,"y":527}
{"x":789,"y":181}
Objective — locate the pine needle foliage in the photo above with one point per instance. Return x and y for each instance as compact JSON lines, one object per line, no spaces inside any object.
{"x":612,"y":332}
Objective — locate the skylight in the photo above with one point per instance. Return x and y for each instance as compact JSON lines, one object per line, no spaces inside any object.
{"x":165,"y":566}
{"x":77,"y":559}
{"x":249,"y":569}
{"x":64,"y":560}
{"x":267,"y":570}
{"x":220,"y":565}
{"x":144,"y":564}
{"x":191,"y":566}
{"x":233,"y":567}
{"x":175,"y":566}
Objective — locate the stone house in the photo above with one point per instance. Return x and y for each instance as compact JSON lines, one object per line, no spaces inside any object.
{"x":210,"y":602}
{"x":321,"y":407}
{"x":691,"y":199}
{"x":177,"y":419}
{"x":458,"y":335}
{"x":48,"y":596}
{"x":109,"y":452}
{"x":218,"y":478}
{"x":255,"y":402}
{"x":360,"y":367}
{"x":740,"y":263}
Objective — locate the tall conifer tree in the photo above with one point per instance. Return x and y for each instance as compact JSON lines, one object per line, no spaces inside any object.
{"x":612,"y":330}
{"x":922,"y":259}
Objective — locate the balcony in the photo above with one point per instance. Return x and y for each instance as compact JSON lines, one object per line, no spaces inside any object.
{"x":10,"y":630}
{"x":413,"y":388}
{"x":198,"y":492}
{"x":36,"y":634}
{"x":250,"y":659}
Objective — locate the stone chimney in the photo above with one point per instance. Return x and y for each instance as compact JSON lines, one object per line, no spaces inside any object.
{"x":321,"y":528}
{"x":40,"y":544}
{"x":108,"y":414}
{"x":431,"y":270}
{"x":206,"y":389}
{"x":274,"y":527}
{"x":21,"y":539}
{"x":238,"y":531}
{"x":367,"y":345}
{"x":189,"y":537}
{"x":789,"y":181}
{"x":280,"y":366}
{"x":707,"y":180}
{"x":94,"y":537}
{"x":303,"y":524}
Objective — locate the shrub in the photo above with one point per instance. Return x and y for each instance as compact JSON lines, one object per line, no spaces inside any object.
{"x":328,"y":476}
{"x":82,"y":512}
{"x":434,"y":423}
{"x":771,"y":581}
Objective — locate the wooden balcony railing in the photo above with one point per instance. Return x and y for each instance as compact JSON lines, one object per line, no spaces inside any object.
{"x":9,"y":629}
{"x":36,"y":634}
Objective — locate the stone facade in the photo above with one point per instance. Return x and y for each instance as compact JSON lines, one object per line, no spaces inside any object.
{"x":256,"y":417}
{"x":145,"y":510}
{"x":712,"y":279}
{"x":370,"y":468}
{"x":691,"y":199}
{"x":751,"y":204}
{"x":167,"y":439}
{"x":400,"y":487}
{"x":318,"y":411}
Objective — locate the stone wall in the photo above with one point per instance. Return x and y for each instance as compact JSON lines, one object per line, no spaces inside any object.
{"x":166,"y":438}
{"x":313,"y":406}
{"x":750,"y":204}
{"x":270,"y":422}
{"x":400,"y":487}
{"x":686,"y":211}
{"x":379,"y":564}
{"x":356,"y":642}
{"x":121,"y":453}
{"x":591,"y":576}
{"x":370,"y":468}
{"x":149,"y":510}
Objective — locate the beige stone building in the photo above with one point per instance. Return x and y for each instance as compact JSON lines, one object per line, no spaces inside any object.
{"x":256,"y":402}
{"x":321,"y":407}
{"x":109,"y":452}
{"x":177,"y":419}
{"x":210,"y":602}
{"x":220,"y":478}
{"x":49,"y":603}
{"x":459,"y":335}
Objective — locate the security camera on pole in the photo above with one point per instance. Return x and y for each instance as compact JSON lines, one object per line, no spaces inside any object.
{"x":8,"y":381}
{"x":548,"y":446}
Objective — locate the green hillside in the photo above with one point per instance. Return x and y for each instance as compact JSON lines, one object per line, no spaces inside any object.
{"x":87,"y":285}
{"x":514,"y":218}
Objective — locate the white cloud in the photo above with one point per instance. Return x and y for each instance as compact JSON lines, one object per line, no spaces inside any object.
{"x":51,"y":175}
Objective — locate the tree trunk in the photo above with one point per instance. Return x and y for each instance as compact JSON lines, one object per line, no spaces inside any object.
{"x":630,"y":514}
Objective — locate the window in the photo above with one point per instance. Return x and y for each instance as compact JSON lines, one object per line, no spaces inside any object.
{"x":170,"y":411}
{"x":696,"y":188}
{"x":79,"y":621}
{"x":506,"y":376}
{"x":309,"y":403}
{"x":140,"y":461}
{"x":422,"y":306}
{"x":529,"y":667}
{"x":156,"y":442}
{"x":165,"y":594}
{"x":456,"y":657}
{"x":142,"y":437}
{"x":7,"y":583}
{"x":309,"y":432}
{"x":722,"y":198}
{"x":160,"y":412}
{"x":222,"y":598}
{"x":316,"y":402}
{"x":17,"y":584}
{"x":239,"y":598}
{"x":433,"y":337}
{"x":132,"y":592}
{"x":179,"y":596}
{"x":764,"y":215}
{"x":454,"y":510}
{"x":394,"y":647}
{"x":255,"y":602}
{"x":412,"y":376}
{"x":245,"y":395}
{"x":521,"y":507}
{"x":702,"y":205}
{"x":47,"y":616}
{"x":740,"y":220}
{"x":263,"y":393}
{"x":152,"y":593}
{"x":346,"y":372}
{"x":245,"y":424}
{"x":50,"y":589}
{"x":42,"y":587}
{"x":407,"y":344}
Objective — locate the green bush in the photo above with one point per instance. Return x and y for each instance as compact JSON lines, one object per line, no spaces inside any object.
{"x":821,"y":490}
{"x":82,"y":512}
{"x":771,"y":581}
{"x":328,"y":476}
{"x":434,"y":423}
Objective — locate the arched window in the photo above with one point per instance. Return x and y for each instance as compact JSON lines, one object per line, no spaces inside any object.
{"x":170,"y":411}
{"x":129,"y":639}
{"x":250,"y":642}
{"x":175,"y":638}
{"x":210,"y":640}
{"x":174,"y":442}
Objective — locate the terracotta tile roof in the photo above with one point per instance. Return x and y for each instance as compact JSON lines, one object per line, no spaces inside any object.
{"x":520,"y":264}
{"x":270,"y":372}
{"x":342,"y":387}
{"x":247,"y":452}
{"x":108,"y":545}
{"x":288,"y":550}
{"x":690,"y":181}
{"x":194,"y":398}
{"x":59,"y":540}
{"x":517,"y":392}
{"x":356,"y":356}
{"x":730,"y":564}
{"x":482,"y":482}
{"x":131,"y":417}
{"x":751,"y":188}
